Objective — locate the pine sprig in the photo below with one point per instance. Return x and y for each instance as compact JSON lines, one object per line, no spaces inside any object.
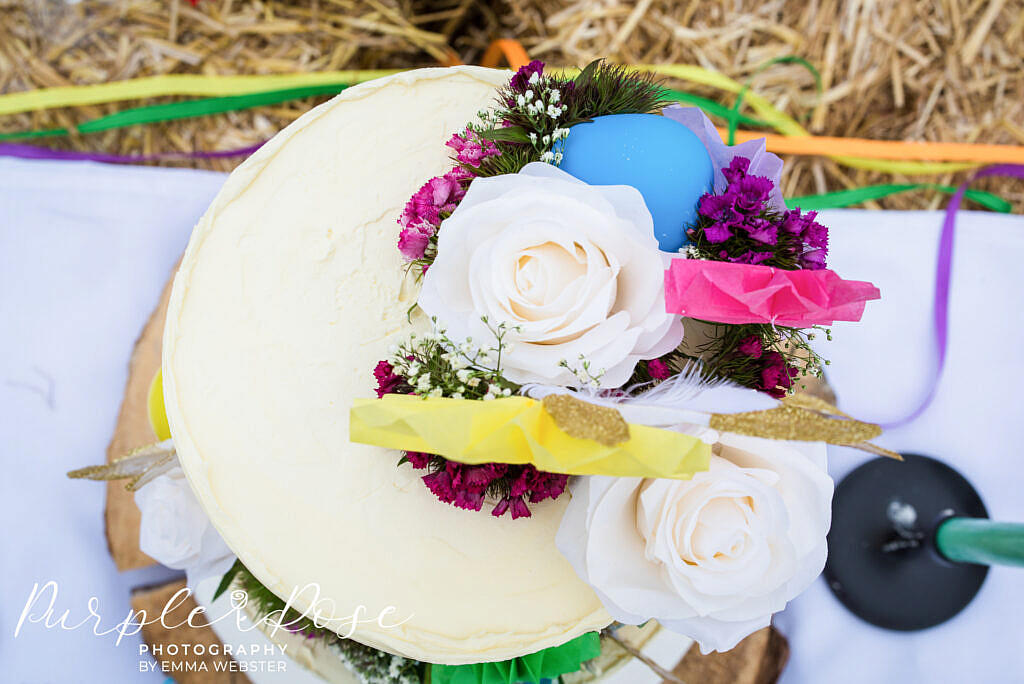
{"x":602,"y":89}
{"x":726,"y":355}
{"x":534,"y":111}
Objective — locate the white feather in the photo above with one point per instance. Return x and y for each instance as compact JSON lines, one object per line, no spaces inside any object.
{"x":683,"y":403}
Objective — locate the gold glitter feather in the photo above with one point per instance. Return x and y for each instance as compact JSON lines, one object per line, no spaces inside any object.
{"x":582,"y":420}
{"x":804,"y":418}
{"x":139,"y":466}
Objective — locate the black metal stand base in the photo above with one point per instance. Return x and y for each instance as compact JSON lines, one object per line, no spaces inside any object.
{"x":882,"y":561}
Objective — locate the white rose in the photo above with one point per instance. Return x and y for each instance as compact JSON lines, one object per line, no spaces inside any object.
{"x":175,"y":531}
{"x":712,"y":557}
{"x":576,"y":266}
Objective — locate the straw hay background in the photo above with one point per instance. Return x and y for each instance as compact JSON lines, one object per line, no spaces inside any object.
{"x":914,"y":69}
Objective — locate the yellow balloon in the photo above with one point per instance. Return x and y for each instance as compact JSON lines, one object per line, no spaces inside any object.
{"x":155,"y":406}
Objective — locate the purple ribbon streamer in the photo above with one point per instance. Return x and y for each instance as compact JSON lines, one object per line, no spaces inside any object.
{"x":943,"y":280}
{"x":33,"y":152}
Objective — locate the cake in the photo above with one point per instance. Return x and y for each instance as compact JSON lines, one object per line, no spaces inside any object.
{"x":290,"y":290}
{"x":556,"y":298}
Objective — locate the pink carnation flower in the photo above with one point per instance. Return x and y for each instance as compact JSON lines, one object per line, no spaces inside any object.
{"x":471,"y":149}
{"x":658,"y":369}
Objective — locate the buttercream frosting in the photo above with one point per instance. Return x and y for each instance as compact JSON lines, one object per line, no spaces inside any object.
{"x":290,"y":291}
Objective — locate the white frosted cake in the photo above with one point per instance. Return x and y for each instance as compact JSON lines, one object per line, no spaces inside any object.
{"x":474,"y":373}
{"x":290,"y":290}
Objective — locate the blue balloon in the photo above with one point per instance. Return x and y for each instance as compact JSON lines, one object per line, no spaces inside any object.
{"x":660,"y":157}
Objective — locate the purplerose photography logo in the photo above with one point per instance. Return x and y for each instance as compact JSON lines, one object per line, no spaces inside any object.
{"x":263,"y":646}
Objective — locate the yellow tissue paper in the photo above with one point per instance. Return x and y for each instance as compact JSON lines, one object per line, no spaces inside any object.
{"x":155,"y":408}
{"x":518,"y":430}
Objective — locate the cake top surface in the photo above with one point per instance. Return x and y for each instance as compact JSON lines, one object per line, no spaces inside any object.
{"x":290,"y":291}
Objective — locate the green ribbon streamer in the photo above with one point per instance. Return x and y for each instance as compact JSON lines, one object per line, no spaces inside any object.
{"x":846,"y":198}
{"x":184,"y":110}
{"x":734,"y":113}
{"x":546,"y":664}
{"x":712,"y":107}
{"x":217,"y":105}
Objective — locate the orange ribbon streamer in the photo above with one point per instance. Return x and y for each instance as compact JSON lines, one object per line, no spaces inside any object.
{"x":885,"y":149}
{"x":509,"y":48}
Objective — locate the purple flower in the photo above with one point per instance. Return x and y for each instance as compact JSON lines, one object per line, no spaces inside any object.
{"x":413,"y":241}
{"x":386,"y":378}
{"x":519,"y":508}
{"x":440,"y":483}
{"x":521,"y":81}
{"x":437,"y":195}
{"x":813,"y":260}
{"x":751,"y":346}
{"x":717,"y":232}
{"x":418,"y":459}
{"x":793,"y":223}
{"x":763,"y":231}
{"x":471,"y":149}
{"x":776,"y":375}
{"x":816,"y":235}
{"x":658,"y":369}
{"x":476,"y":477}
{"x":500,"y":508}
{"x":522,"y":483}
{"x":751,"y":193}
{"x":469,"y":500}
{"x":548,"y":486}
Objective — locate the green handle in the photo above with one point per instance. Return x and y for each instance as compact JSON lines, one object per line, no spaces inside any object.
{"x":982,"y":541}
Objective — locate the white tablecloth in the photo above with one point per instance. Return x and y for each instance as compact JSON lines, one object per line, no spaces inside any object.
{"x":85,"y":249}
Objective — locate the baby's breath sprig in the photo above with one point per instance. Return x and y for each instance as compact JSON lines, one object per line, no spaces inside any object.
{"x":434,"y":365}
{"x":538,"y":113}
{"x":585,"y":374}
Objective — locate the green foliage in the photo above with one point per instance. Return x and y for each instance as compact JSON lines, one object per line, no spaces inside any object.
{"x":432,"y":364}
{"x":527,"y":123}
{"x":722,"y":359}
{"x":529,"y":669}
{"x":602,"y":89}
{"x":370,"y":665}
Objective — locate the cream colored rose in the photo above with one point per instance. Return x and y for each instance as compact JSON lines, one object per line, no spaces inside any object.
{"x":176,"y":532}
{"x":712,"y":557}
{"x":576,"y":267}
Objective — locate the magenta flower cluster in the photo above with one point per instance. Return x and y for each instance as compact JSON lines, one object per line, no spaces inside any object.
{"x":811,"y":233}
{"x":521,"y":80}
{"x":470,"y":150}
{"x":439,"y":196}
{"x":776,"y":375}
{"x":423,"y":213}
{"x":658,"y":369}
{"x":388,"y":382}
{"x":739,"y":212}
{"x":466,"y":486}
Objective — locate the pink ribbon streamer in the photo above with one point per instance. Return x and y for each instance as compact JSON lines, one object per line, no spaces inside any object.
{"x":731,"y":293}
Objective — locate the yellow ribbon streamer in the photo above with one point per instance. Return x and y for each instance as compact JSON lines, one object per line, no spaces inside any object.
{"x":175,"y":84}
{"x":787,"y":125}
{"x":518,"y":430}
{"x":205,"y":85}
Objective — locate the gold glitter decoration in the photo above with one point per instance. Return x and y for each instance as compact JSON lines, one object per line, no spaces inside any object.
{"x":813,"y":403}
{"x":582,"y":420}
{"x":140,"y":465}
{"x":803,"y":418}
